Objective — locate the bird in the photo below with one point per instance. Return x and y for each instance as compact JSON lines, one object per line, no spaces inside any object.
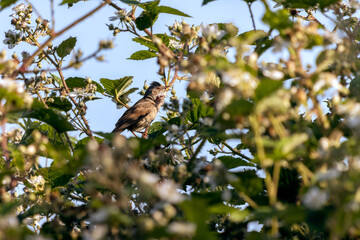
{"x":143,"y":112}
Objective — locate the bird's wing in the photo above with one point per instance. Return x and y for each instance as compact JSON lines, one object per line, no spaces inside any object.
{"x":131,"y":116}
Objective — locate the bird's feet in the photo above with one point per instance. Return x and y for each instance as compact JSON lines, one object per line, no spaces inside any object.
{"x":145,"y":133}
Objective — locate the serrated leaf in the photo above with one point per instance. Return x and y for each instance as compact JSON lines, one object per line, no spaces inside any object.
{"x":170,"y":10}
{"x":61,"y":104}
{"x":142,"y":55}
{"x":66,"y":47}
{"x":146,"y":43}
{"x":57,"y":79}
{"x":53,"y":118}
{"x":146,"y":20}
{"x":118,"y":86}
{"x":6,"y":3}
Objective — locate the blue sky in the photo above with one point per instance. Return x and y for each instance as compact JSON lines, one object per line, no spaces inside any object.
{"x":102,"y":114}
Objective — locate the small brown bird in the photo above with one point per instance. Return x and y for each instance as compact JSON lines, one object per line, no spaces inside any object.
{"x":144,"y":111}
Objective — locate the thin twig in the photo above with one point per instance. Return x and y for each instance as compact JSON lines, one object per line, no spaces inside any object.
{"x":28,"y":60}
{"x":52,"y":16}
{"x":236,"y":152}
{"x":197,"y":151}
{"x":251,"y":15}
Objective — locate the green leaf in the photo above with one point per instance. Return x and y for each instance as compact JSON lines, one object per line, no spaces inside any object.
{"x":197,"y":211}
{"x":170,"y":10}
{"x":108,"y":136}
{"x":83,"y":142}
{"x":66,"y":47}
{"x":78,"y":82}
{"x":56,"y":177}
{"x":267,"y":87}
{"x":146,"y":20}
{"x":239,"y":107}
{"x":156,"y":129}
{"x":149,"y":6}
{"x":279,"y":20}
{"x":252,"y":36}
{"x":117,"y":88}
{"x":75,"y":82}
{"x":207,"y":1}
{"x":231,"y":162}
{"x":57,"y":79}
{"x":163,"y":37}
{"x":6,"y":3}
{"x":198,"y":110}
{"x":61,"y":104}
{"x":355,"y":88}
{"x":53,"y":118}
{"x":306,"y":4}
{"x":130,"y":2}
{"x":142,"y":55}
{"x":119,"y":84}
{"x":70,"y":1}
{"x":146,"y":43}
{"x":249,"y":183}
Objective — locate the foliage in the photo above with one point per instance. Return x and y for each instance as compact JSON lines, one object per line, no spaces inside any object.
{"x":273,"y":143}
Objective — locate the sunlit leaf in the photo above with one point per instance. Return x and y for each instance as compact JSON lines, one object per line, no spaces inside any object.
{"x":142,"y":55}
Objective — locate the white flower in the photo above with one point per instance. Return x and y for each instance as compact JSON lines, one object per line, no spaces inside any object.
{"x":11,"y":85}
{"x":167,"y":191}
{"x":182,"y":228}
{"x":175,"y":44}
{"x":38,"y":182}
{"x":315,"y":198}
{"x":211,"y":32}
{"x":121,"y":15}
{"x":330,"y":80}
{"x":19,"y":8}
{"x":273,"y":74}
{"x":80,"y":92}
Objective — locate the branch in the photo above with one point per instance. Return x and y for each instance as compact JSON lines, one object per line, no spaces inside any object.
{"x":251,"y":15}
{"x":27,"y":61}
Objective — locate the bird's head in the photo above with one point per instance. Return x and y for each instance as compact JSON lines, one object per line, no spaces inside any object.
{"x":156,"y":91}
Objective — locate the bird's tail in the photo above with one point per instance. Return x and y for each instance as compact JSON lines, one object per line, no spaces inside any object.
{"x":117,"y":130}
